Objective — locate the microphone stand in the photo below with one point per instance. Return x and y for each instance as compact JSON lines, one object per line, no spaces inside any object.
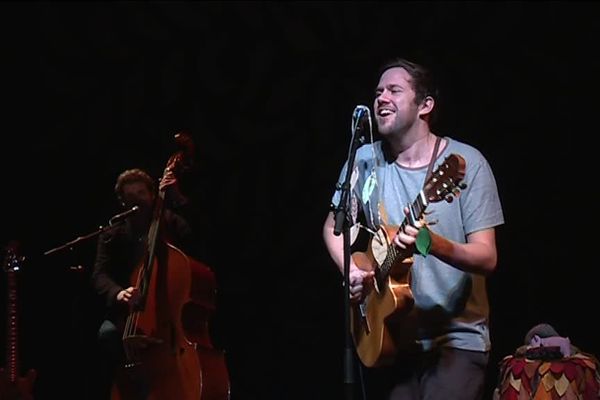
{"x":342,"y":225}
{"x":79,"y":239}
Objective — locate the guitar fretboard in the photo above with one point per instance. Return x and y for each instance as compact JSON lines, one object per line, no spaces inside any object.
{"x":394,"y":253}
{"x":12,"y":352}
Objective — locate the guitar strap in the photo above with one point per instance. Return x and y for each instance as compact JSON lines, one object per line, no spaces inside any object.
{"x":436,"y":147}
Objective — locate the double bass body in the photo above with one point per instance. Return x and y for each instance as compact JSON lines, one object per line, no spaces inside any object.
{"x":169,"y":368}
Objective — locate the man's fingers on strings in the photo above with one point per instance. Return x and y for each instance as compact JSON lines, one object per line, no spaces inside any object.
{"x":398,"y":243}
{"x":412,"y":230}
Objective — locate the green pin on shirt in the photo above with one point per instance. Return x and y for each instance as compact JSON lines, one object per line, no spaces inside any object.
{"x":423,"y":241}
{"x":369,"y":187}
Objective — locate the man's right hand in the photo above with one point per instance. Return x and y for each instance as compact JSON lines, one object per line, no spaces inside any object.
{"x":125,"y":295}
{"x":361,"y":283}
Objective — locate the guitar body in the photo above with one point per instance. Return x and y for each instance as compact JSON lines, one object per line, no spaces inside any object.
{"x":385,"y":307}
{"x":20,"y":389}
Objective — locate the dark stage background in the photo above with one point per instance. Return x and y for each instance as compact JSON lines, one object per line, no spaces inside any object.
{"x":267,"y":90}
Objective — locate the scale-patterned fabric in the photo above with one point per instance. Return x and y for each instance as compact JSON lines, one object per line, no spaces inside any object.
{"x":575,"y":377}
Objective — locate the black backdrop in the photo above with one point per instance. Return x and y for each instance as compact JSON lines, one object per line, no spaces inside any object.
{"x":267,"y":90}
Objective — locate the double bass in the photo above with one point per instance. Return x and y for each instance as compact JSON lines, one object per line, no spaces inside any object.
{"x":160,"y":361}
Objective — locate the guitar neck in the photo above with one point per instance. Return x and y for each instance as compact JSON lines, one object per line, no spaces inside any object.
{"x":12,"y":350}
{"x":415,"y":211}
{"x":395,"y":254}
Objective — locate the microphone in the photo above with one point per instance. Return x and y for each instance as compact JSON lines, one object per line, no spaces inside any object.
{"x":361,"y":122}
{"x":360,"y":116}
{"x":123,"y":215}
{"x":360,"y":111}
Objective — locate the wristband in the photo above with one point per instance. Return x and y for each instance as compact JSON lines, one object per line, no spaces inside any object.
{"x":423,"y":242}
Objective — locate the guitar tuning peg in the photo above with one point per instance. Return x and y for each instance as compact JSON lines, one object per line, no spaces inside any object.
{"x":456,"y":191}
{"x":462,"y":186}
{"x":449,"y":198}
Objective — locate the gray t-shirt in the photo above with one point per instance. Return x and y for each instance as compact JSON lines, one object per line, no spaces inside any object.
{"x":452,"y":305}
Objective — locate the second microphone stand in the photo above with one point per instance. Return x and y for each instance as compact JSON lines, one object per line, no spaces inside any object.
{"x":113,"y":223}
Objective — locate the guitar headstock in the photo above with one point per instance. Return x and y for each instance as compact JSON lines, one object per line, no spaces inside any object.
{"x":12,"y":259}
{"x":446,"y":181}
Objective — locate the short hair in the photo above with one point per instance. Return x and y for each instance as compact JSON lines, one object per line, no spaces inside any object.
{"x":422,"y":80}
{"x":132,"y":176}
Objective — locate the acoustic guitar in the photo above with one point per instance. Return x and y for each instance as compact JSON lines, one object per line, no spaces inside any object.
{"x":391,"y":301}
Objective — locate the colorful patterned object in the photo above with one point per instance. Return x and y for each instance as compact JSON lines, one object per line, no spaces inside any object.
{"x":571,"y":378}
